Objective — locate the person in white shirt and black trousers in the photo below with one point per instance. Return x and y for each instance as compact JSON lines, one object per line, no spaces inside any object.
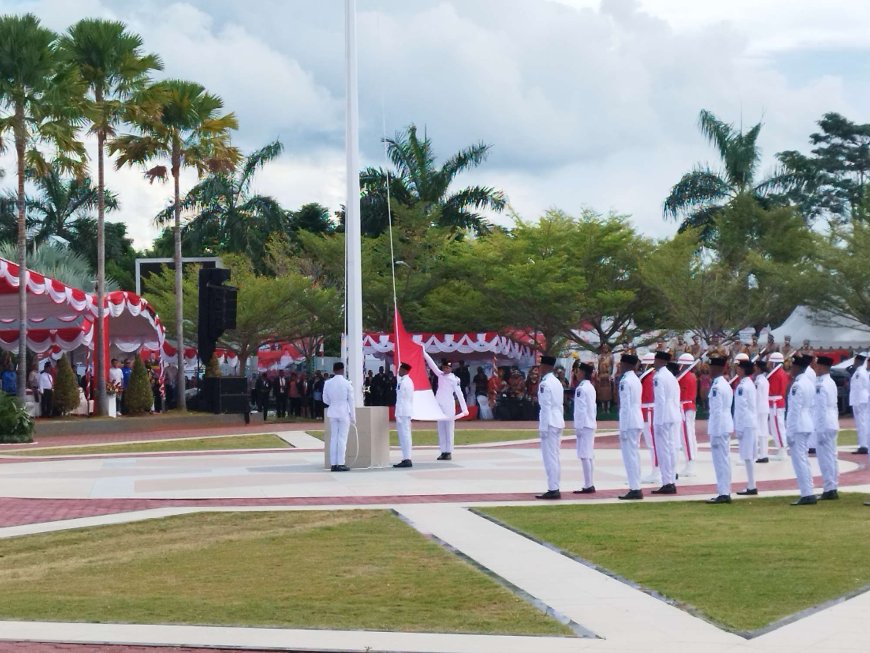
{"x":46,"y":391}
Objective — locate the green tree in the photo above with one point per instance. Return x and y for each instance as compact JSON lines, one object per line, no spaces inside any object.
{"x":138,"y":397}
{"x":40,"y":104}
{"x":415,"y":179}
{"x":190,"y":132}
{"x":66,"y":389}
{"x":701,"y":194}
{"x":120,"y":253}
{"x":313,"y":218}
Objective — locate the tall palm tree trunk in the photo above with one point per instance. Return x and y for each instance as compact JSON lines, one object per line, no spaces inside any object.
{"x":179,"y":280}
{"x":22,"y":255}
{"x":99,"y":332}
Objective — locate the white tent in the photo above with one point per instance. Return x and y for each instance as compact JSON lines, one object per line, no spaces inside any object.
{"x":818,"y":328}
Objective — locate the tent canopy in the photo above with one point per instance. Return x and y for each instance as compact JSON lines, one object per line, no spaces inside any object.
{"x":817,"y":327}
{"x":480,"y":345}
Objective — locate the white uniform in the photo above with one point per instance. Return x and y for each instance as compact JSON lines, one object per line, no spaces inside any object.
{"x":798,"y":428}
{"x":719,"y":429}
{"x":745,"y":425}
{"x":811,"y":375}
{"x":338,"y":397}
{"x":404,"y":410}
{"x":551,"y":421}
{"x":762,"y":399}
{"x":630,"y":426}
{"x":859,"y":396}
{"x":667,"y":417}
{"x":826,"y":425}
{"x":585,"y":415}
{"x":448,"y":388}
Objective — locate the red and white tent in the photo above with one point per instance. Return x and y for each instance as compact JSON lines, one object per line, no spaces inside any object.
{"x":486,"y":344}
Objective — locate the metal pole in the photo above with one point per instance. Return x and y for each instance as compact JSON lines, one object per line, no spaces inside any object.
{"x":353,"y":253}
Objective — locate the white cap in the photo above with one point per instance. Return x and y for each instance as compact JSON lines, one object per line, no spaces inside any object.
{"x":775,"y":357}
{"x":647,"y":358}
{"x":686,"y":358}
{"x":741,"y":357}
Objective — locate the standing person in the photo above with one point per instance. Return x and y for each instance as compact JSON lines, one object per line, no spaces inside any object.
{"x":448,"y":388}
{"x":584,"y":425}
{"x":799,"y":427}
{"x":404,"y":410}
{"x":648,"y":409}
{"x":126,"y":371}
{"x":719,"y":428}
{"x":551,"y":421}
{"x":33,"y":382}
{"x":746,"y":423}
{"x":464,"y":376}
{"x":294,"y":394}
{"x":317,"y":395}
{"x":688,"y":406}
{"x":604,"y":389}
{"x":630,"y":424}
{"x":480,"y":385}
{"x":666,"y":420}
{"x":46,"y":391}
{"x":262,"y":389}
{"x":279,"y":389}
{"x":338,"y":397}
{"x":826,"y":424}
{"x":762,"y":398}
{"x":778,"y":382}
{"x":859,"y":396}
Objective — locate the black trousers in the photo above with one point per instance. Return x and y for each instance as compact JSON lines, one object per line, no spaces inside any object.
{"x":281,"y":405}
{"x":46,"y":403}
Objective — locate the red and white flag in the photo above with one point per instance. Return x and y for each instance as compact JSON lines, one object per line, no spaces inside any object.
{"x":408,"y":351}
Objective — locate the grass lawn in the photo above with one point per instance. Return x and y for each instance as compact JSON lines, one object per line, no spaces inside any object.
{"x":425,"y":437}
{"x":265,"y":441}
{"x":847,"y":437}
{"x":343,"y":569}
{"x":744,"y":565}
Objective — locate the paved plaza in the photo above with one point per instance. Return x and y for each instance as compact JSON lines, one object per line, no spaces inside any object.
{"x":606,"y":614}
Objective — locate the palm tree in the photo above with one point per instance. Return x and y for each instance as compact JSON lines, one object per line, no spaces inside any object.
{"x":229,"y":218}
{"x":699,"y":196}
{"x":189,"y":131}
{"x":42,"y":99}
{"x":111,"y":63}
{"x":417,"y":180}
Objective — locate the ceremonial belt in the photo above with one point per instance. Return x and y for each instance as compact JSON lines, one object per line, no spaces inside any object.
{"x":687,"y":404}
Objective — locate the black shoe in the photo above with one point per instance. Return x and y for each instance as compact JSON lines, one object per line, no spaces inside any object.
{"x":763,"y":460}
{"x":830,"y":495}
{"x":722,"y":498}
{"x":811,"y":451}
{"x":860,"y":451}
{"x":334,"y":468}
{"x":549,"y":494}
{"x":805,"y":501}
{"x":445,"y":456}
{"x":404,"y":463}
{"x":586,"y":490}
{"x":341,"y":468}
{"x":632,"y":495}
{"x":667,"y":488}
{"x":748,"y":493}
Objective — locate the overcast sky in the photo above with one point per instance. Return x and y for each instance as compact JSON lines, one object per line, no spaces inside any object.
{"x":586,"y":103}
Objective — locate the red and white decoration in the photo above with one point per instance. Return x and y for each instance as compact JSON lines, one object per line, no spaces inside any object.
{"x":408,"y":351}
{"x":472,"y":345}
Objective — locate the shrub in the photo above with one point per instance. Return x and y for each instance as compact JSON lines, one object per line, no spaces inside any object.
{"x":66,"y":388}
{"x":138,"y":397}
{"x":15,"y":424}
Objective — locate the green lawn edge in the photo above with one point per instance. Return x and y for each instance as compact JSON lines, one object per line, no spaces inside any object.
{"x":214,"y":443}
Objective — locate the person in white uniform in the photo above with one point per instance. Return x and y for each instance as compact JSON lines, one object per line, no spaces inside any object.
{"x":799,"y":427}
{"x":762,"y":410}
{"x":720,"y":425}
{"x":551,"y":421}
{"x":448,"y":388}
{"x":585,"y":423}
{"x":404,"y":410}
{"x":746,"y":423}
{"x":646,"y":376}
{"x":826,"y":425}
{"x":630,"y":424}
{"x":667,"y":419}
{"x":859,"y":396}
{"x":338,"y":397}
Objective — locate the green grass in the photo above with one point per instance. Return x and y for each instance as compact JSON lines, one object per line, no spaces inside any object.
{"x":265,"y":441}
{"x":308,"y":569}
{"x":744,"y":565}
{"x":424,"y":437}
{"x":847,"y":437}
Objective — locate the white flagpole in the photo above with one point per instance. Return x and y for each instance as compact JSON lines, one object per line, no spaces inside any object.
{"x":352,"y":229}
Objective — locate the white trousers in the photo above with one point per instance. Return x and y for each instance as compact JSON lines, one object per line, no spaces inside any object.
{"x":689,"y":439}
{"x":861,"y":423}
{"x":585,"y":443}
{"x":650,"y":440}
{"x":720,"y":446}
{"x":338,"y":440}
{"x":776,"y":426}
{"x":666,"y":449}
{"x":551,"y":440}
{"x":762,"y":447}
{"x":746,"y":442}
{"x":403,"y":426}
{"x":445,"y":435}
{"x":483,"y":407}
{"x":798,"y":443}
{"x":629,"y":441}
{"x":826,"y":453}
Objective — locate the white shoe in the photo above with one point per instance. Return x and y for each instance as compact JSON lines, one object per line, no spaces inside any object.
{"x":653,"y":477}
{"x":689,"y":469}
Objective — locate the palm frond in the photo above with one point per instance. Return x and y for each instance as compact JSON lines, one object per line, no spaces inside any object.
{"x":696,"y":189}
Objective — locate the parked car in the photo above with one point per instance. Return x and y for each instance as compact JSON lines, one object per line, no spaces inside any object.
{"x":841,"y":378}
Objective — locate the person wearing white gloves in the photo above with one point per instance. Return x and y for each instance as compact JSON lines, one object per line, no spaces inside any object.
{"x":585,"y":415}
{"x":448,"y":388}
{"x":404,"y":410}
{"x":799,"y":427}
{"x":338,"y":397}
{"x":630,"y":424}
{"x":551,"y":421}
{"x":719,"y":427}
{"x":826,"y":425}
{"x":746,"y":423}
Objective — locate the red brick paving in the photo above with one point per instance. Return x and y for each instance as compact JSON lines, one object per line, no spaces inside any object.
{"x":46,"y":647}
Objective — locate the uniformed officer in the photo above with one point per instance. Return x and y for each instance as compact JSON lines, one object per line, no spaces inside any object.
{"x":746,"y":422}
{"x":778,"y":386}
{"x":647,"y":406}
{"x":688,"y":405}
{"x":585,"y":424}
{"x":449,"y":387}
{"x":799,"y":427}
{"x":338,"y":397}
{"x":826,"y":424}
{"x":859,"y":396}
{"x":551,"y":421}
{"x":404,"y":411}
{"x":719,"y":428}
{"x":630,"y":424}
{"x":762,"y":398}
{"x":666,"y":420}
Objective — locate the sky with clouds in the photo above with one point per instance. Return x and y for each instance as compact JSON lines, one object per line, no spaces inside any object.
{"x":586,"y":103}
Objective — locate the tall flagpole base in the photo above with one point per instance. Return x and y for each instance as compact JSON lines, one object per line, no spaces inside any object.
{"x":369,"y":444}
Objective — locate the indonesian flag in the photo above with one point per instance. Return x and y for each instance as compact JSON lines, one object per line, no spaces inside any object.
{"x":407,"y":351}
